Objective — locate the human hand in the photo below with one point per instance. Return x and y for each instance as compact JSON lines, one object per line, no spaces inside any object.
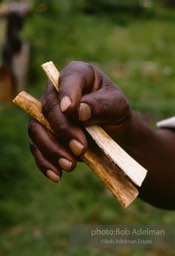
{"x":86,"y":97}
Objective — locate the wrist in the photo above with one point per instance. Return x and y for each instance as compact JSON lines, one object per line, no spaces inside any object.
{"x":136,"y":137}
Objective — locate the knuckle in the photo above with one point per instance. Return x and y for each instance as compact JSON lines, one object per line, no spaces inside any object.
{"x":75,"y":67}
{"x":123,"y":102}
{"x":56,"y":151}
{"x":60,"y":126}
{"x":32,"y":128}
{"x":32,"y":146}
{"x":73,"y":63}
{"x":78,"y":64}
{"x":58,"y":121}
{"x":124,"y":109}
{"x":40,"y":163}
{"x":37,"y":155}
{"x":48,"y":104}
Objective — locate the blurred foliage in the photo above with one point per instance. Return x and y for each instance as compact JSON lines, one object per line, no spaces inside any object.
{"x":13,"y":168}
{"x":101,"y":5}
{"x":136,"y":50}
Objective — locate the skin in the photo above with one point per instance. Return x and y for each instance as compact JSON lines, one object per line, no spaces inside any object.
{"x":86,"y":97}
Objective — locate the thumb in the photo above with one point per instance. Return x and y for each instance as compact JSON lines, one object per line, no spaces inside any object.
{"x":105,"y":106}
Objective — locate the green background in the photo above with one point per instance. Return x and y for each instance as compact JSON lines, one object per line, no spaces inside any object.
{"x":135,"y":47}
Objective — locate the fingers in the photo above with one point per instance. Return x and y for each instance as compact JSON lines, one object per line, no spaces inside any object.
{"x":64,"y":127}
{"x":49,"y":154}
{"x":44,"y":165}
{"x":76,"y":79}
{"x":86,"y":97}
{"x":90,"y":96}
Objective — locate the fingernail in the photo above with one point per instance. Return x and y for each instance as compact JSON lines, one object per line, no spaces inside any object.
{"x":52,"y":176}
{"x":65,"y":164}
{"x":76,"y":147}
{"x":65,"y":103}
{"x":84,"y":112}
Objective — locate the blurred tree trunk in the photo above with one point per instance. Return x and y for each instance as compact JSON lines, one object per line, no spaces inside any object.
{"x":15,"y":52}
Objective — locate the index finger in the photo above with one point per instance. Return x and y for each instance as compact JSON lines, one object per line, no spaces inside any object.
{"x":76,"y":79}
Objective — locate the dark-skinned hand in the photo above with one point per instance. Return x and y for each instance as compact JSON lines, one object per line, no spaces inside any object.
{"x":86,"y":97}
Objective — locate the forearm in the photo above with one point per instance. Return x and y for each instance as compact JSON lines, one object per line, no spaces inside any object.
{"x":155,"y":150}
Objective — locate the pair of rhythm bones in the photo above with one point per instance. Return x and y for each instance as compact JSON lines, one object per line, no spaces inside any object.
{"x":119,"y":172}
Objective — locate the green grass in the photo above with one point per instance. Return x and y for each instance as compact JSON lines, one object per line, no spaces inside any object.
{"x":139,"y":55}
